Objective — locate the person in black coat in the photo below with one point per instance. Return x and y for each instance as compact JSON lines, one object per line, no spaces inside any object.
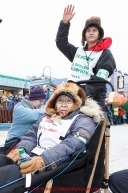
{"x":93,"y":61}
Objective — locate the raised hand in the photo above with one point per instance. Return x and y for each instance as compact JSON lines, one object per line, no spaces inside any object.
{"x":68,"y":13}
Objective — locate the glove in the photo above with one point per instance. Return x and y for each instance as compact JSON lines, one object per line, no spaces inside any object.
{"x":34,"y":164}
{"x":116,"y":99}
{"x":14,"y":155}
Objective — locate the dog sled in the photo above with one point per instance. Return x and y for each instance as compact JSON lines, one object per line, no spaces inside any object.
{"x":85,"y":172}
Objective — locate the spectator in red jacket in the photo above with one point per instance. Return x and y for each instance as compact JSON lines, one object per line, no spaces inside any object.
{"x":120,"y":116}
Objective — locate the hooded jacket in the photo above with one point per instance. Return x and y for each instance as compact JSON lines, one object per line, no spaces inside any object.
{"x":106,"y":61}
{"x":24,"y":115}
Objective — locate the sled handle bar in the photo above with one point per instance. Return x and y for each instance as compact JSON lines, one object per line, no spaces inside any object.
{"x":95,"y":81}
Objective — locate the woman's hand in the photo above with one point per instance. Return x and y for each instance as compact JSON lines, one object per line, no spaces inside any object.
{"x":36,"y":163}
{"x":68,"y":13}
{"x":14,"y":155}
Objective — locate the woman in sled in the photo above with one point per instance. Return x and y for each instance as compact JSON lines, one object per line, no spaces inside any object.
{"x":63,"y":131}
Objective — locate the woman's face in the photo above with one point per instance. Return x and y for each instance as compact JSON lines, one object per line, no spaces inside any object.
{"x":63,"y":105}
{"x":92,"y":35}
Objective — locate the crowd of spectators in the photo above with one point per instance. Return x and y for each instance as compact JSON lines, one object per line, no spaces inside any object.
{"x":119,"y":116}
{"x":15,"y":99}
{"x":11,"y":100}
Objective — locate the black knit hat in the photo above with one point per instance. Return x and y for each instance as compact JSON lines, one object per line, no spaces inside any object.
{"x":37,"y":93}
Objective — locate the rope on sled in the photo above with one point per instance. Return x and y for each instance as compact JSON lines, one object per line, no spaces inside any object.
{"x":11,"y":182}
{"x":62,"y":170}
{"x":24,"y":176}
{"x":1,"y":187}
{"x":65,"y":167}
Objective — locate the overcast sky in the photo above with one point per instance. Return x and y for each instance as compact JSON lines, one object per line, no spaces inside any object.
{"x":29,"y":27}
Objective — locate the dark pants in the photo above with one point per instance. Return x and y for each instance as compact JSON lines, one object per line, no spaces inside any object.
{"x":118,"y":182}
{"x":127,"y":119}
{"x":9,"y":145}
{"x":120,"y":118}
{"x":115,"y":119}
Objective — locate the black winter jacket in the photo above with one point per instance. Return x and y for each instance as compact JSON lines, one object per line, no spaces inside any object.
{"x":97,"y":91}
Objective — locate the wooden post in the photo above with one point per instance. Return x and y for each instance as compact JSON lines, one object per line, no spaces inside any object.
{"x":97,"y":155}
{"x":107,"y":142}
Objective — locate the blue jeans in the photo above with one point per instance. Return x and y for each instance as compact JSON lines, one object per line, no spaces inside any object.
{"x":115,"y":119}
{"x":119,"y":120}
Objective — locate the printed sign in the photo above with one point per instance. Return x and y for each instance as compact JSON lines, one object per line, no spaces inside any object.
{"x":14,"y":83}
{"x":120,"y":83}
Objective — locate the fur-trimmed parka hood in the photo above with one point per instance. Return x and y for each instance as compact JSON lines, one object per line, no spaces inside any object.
{"x":92,"y":109}
{"x":73,"y":89}
{"x":87,"y":106}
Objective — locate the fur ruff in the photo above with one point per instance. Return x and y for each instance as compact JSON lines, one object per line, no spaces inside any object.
{"x":87,"y":106}
{"x":77,"y":92}
{"x":93,"y":18}
{"x":92,"y":109}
